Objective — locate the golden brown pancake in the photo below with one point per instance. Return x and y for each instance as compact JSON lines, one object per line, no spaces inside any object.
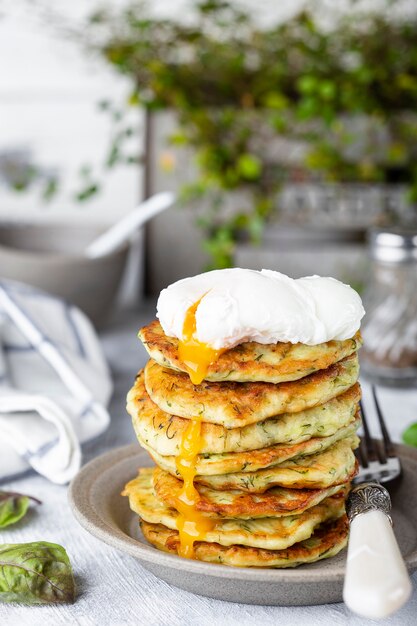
{"x":163,"y":432}
{"x":274,"y":363}
{"x":327,"y":541}
{"x":275,"y":502}
{"x":253,"y":460}
{"x":270,"y":533}
{"x":236,"y":405}
{"x":334,"y":466}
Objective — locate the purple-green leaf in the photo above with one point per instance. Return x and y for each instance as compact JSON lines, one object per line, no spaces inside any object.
{"x":13,"y":506}
{"x":35,"y":573}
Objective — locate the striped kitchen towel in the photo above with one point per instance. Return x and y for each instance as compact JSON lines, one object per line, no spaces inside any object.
{"x":54,"y":384}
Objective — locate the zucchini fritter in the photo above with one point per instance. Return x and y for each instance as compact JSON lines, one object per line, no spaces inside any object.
{"x":238,"y":404}
{"x":163,"y":432}
{"x":327,"y":541}
{"x":274,"y":363}
{"x":270,"y":533}
{"x":276,"y":502}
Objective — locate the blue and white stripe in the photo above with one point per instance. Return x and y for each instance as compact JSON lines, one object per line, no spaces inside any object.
{"x":54,"y":384}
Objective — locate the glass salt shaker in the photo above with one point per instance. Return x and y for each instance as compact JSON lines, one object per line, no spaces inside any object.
{"x":389,"y":354}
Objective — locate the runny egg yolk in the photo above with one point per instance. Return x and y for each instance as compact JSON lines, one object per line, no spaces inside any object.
{"x":192,"y":525}
{"x":195,"y":354}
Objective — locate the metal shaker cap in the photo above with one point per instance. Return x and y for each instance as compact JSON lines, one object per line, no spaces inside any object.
{"x":393,"y":245}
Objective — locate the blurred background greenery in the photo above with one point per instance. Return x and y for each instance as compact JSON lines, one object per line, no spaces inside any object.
{"x":335,"y":94}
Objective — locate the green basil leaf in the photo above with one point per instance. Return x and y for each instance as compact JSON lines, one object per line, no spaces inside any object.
{"x":410,"y":435}
{"x":35,"y":573}
{"x":13,"y":506}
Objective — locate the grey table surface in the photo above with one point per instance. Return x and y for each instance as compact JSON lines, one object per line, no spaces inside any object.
{"x":113,"y":588}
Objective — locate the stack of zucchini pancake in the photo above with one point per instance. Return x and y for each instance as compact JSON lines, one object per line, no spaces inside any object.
{"x":253,"y":447}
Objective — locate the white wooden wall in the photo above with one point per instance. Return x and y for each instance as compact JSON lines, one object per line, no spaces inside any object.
{"x":49,"y":90}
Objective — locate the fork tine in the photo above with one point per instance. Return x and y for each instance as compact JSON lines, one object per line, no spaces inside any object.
{"x":377,"y":458}
{"x":361,"y":455}
{"x":369,"y":447}
{"x":388,"y":445}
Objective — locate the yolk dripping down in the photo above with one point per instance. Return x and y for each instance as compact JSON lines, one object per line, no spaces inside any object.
{"x":195,"y":354}
{"x":191,"y":524}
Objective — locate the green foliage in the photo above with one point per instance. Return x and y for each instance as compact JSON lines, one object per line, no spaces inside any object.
{"x":348,"y":94}
{"x":21,"y":174}
{"x":410,"y":435}
{"x":13,"y":507}
{"x":35,"y":573}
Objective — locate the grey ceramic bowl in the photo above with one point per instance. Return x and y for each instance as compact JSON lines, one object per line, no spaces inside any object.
{"x":96,"y":502}
{"x":49,"y":256}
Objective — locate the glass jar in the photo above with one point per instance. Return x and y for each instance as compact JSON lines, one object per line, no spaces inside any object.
{"x":389,"y":355}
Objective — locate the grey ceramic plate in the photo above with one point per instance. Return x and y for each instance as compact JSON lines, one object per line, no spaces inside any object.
{"x":96,"y":502}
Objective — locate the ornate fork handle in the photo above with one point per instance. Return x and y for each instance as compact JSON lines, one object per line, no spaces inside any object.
{"x":376,"y":581}
{"x":368,"y":497}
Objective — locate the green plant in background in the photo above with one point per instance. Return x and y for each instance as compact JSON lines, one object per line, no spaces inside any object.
{"x":410,"y":435}
{"x":19,"y":172}
{"x":249,"y":97}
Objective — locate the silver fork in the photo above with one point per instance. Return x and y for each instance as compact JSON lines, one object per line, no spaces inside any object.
{"x":376,"y":580}
{"x":377,"y":459}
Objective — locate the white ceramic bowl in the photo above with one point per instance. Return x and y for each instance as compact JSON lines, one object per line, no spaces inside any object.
{"x":50,"y":257}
